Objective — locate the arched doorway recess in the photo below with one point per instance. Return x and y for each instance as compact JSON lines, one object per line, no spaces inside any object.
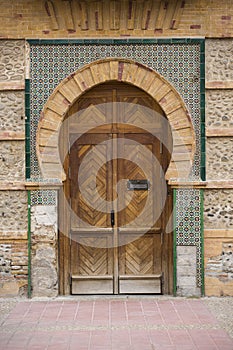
{"x":115,"y":256}
{"x":124,"y":70}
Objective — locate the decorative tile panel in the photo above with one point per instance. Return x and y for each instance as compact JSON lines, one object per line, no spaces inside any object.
{"x":189,"y":223}
{"x":178,"y":63}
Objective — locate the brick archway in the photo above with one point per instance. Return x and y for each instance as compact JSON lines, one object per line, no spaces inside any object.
{"x":113,"y":69}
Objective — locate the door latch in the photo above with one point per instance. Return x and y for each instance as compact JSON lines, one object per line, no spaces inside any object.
{"x":112,"y":218}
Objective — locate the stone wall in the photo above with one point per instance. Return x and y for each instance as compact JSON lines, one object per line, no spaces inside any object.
{"x":187,"y":271}
{"x":12,"y":111}
{"x":218,"y":201}
{"x":44,"y":250}
{"x":219,"y":108}
{"x":13,"y":197}
{"x":219,"y":155}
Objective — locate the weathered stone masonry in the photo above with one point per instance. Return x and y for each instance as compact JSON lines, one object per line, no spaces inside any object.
{"x":218,"y":202}
{"x":210,"y":19}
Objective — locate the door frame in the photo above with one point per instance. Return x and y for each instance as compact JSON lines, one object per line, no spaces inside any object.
{"x":97,"y":72}
{"x":65,"y":243}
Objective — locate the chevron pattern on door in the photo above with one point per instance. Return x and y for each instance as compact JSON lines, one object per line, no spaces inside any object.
{"x":122,"y":253}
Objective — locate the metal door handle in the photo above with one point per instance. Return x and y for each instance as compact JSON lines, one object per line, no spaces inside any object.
{"x":112,"y":218}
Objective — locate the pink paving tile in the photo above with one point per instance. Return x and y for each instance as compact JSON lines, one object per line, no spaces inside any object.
{"x":202,"y":312}
{"x":168,"y":313}
{"x":120,"y":338}
{"x":101,"y":315}
{"x":149,"y":307}
{"x":14,"y":347}
{"x":185,"y":312}
{"x":140,"y":339}
{"x":39,"y":338}
{"x":153,"y":320}
{"x":100,"y":338}
{"x":80,"y":339}
{"x":160,"y":338}
{"x":118,"y":315}
{"x":59,"y":347}
{"x":180,"y":338}
{"x":201,"y":339}
{"x":220,"y":338}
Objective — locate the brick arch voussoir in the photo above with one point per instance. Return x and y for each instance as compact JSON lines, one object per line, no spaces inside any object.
{"x":128,"y":71}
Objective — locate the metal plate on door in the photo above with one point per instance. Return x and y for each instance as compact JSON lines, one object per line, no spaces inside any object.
{"x":138,"y":185}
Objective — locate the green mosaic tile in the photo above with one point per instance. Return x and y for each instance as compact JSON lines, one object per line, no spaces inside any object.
{"x":188,"y":223}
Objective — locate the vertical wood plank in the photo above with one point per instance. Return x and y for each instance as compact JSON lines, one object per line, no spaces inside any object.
{"x":84,"y":15}
{"x":114,"y":15}
{"x":180,"y":4}
{"x":162,"y":14}
{"x":68,"y":15}
{"x":132,"y":5}
{"x":146,"y":14}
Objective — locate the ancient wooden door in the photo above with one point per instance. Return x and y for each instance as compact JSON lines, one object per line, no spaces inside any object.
{"x":117,"y":192}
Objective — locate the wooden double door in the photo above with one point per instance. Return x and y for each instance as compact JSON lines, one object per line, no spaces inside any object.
{"x":118,"y":199}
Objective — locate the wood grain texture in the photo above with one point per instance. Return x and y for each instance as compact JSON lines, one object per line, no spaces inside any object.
{"x":135,"y":263}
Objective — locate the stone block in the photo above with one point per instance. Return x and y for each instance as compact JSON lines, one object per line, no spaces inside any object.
{"x":218,"y":208}
{"x":12,"y":111}
{"x":12,"y":60}
{"x":219,"y":158}
{"x":219,"y":54}
{"x":12,"y":160}
{"x":219,"y":107}
{"x":44,"y":271}
{"x":13,"y":211}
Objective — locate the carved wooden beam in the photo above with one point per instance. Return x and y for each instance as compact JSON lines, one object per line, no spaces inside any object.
{"x":114,"y":15}
{"x":146,"y":15}
{"x":98,"y":14}
{"x":177,"y":14}
{"x":162,"y":14}
{"x":84,"y":15}
{"x":50,"y":9}
{"x":68,"y":15}
{"x":131,"y":13}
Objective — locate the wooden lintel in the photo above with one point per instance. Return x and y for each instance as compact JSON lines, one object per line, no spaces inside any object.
{"x":186,"y":184}
{"x":218,"y":233}
{"x":209,"y":184}
{"x":12,"y":135}
{"x":177,"y":14}
{"x":12,"y":186}
{"x":12,"y":85}
{"x":228,"y":84}
{"x":43,"y":185}
{"x":49,"y":6}
{"x":219,"y":184}
{"x":219,"y":132}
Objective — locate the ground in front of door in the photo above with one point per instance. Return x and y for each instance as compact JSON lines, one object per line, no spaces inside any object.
{"x":121,"y":323}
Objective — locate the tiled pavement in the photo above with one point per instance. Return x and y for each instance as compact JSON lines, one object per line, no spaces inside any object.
{"x":113,"y":324}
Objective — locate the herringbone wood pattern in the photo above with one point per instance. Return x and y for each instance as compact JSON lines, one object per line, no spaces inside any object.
{"x":93,"y":186}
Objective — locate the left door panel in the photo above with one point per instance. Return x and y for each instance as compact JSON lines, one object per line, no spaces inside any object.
{"x":91,"y":233}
